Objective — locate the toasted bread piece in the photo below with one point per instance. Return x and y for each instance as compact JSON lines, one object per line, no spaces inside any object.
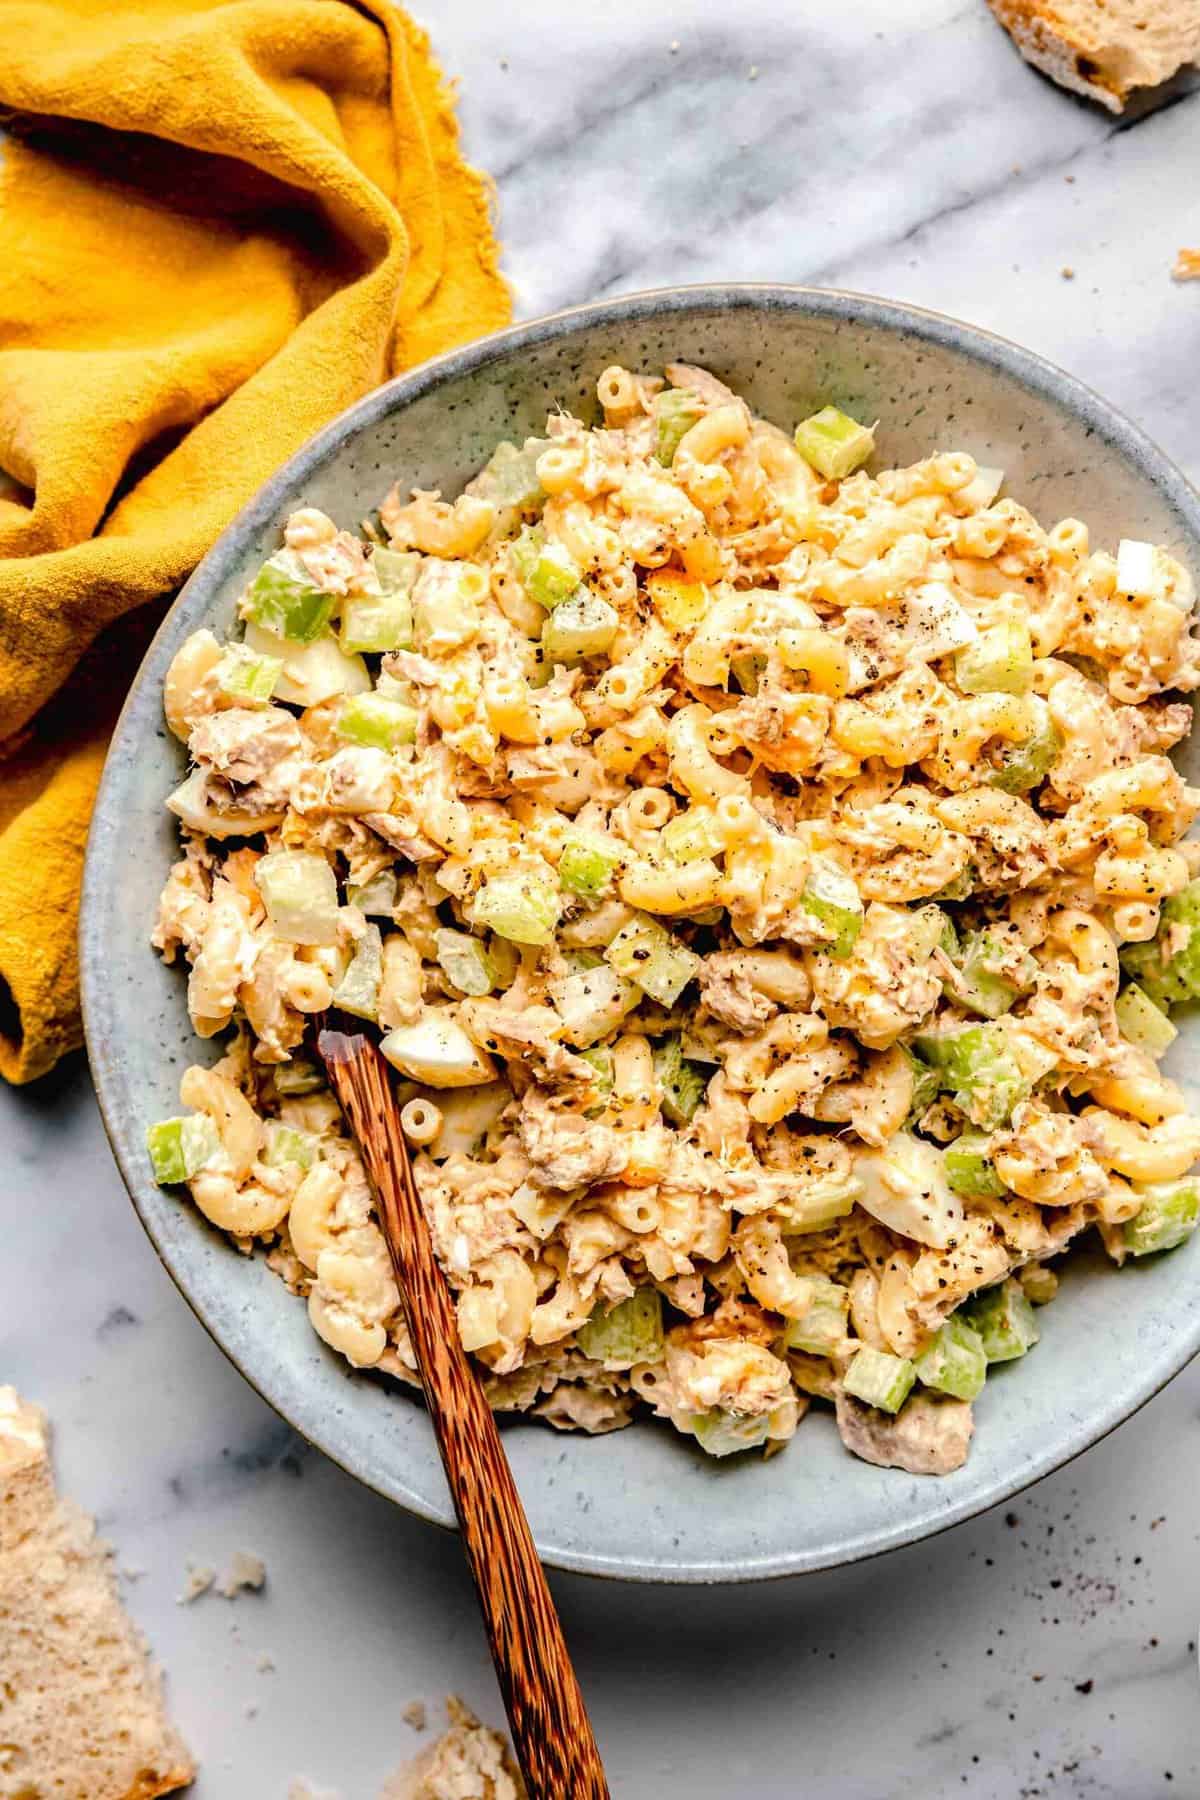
{"x":1104,"y":48}
{"x":470,"y":1761}
{"x":81,"y":1711}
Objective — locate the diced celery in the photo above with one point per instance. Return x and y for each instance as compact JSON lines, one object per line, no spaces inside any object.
{"x":1024,"y":766}
{"x":818,"y":1204}
{"x":1004,"y":1320}
{"x":382,"y":621}
{"x":661,"y":965}
{"x":832,"y":897}
{"x":679,"y":603}
{"x":377,"y":896}
{"x":1142,"y":1023}
{"x":992,"y":976}
{"x":580,"y":627}
{"x":601,"y":1059}
{"x":180,"y":1148}
{"x":969,"y":1167}
{"x":1039,"y":1282}
{"x":927,"y":1085}
{"x":958,"y":889}
{"x":1168,"y":1215}
{"x":523,"y":908}
{"x":691,"y":835}
{"x":504,"y":959}
{"x":683,"y":1083}
{"x":880,"y":1379}
{"x":978,"y":1065}
{"x":586,"y":865}
{"x":823,"y":1326}
{"x":464,"y":961}
{"x":948,"y":937}
{"x":299,"y":890}
{"x":510,"y":476}
{"x":247,"y":677}
{"x":547,"y":572}
{"x":311,"y":672}
{"x":721,"y":1433}
{"x":437,"y":1051}
{"x":1168,"y":967}
{"x":287,"y":1146}
{"x":999,"y":661}
{"x":284,"y":598}
{"x":630,"y":1332}
{"x":676,"y":410}
{"x":834,"y":443}
{"x":593,"y":1002}
{"x":955,"y":1362}
{"x":299,"y":1075}
{"x":376,"y":723}
{"x":747,"y":670}
{"x":358,"y":990}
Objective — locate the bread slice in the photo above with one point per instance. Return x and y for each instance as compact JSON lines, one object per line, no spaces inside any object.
{"x":1104,"y":48}
{"x":81,"y":1709}
{"x":470,"y":1761}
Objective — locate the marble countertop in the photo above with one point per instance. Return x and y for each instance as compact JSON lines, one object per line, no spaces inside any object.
{"x":1044,"y":1650}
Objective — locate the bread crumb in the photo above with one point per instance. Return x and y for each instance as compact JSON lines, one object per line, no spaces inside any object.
{"x":82,"y":1703}
{"x":266,"y":1663}
{"x":674,"y":46}
{"x":131,"y":1571}
{"x":1187,"y":266}
{"x":244,"y":1571}
{"x":469,"y":1759}
{"x":1067,"y":272}
{"x":300,"y":1789}
{"x":199,"y":1579}
{"x":753,"y":72}
{"x":416,"y":1715}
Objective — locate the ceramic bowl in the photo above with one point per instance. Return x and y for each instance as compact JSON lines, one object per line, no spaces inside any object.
{"x":643,"y":1504}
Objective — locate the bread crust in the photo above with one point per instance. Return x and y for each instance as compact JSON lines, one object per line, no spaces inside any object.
{"x":1087,"y":49}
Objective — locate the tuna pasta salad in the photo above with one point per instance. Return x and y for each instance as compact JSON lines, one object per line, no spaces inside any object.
{"x":765,"y":877}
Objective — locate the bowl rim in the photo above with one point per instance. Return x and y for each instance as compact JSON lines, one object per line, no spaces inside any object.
{"x":288,"y":1397}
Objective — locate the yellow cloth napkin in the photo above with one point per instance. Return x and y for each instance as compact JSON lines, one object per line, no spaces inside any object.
{"x":221,"y":221}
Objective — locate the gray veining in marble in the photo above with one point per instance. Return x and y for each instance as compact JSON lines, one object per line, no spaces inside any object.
{"x":903,"y":150}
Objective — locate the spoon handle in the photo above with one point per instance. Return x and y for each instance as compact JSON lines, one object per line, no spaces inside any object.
{"x":546,"y":1714}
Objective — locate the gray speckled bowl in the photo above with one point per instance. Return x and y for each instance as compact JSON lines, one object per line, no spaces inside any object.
{"x":642,"y":1504}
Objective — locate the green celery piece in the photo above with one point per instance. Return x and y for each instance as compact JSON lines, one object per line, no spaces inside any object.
{"x":592,"y":1003}
{"x":1004,"y":1319}
{"x":684,"y":1084}
{"x":955,"y":1362}
{"x":1026,"y":765}
{"x":377,"y":896}
{"x":834,"y":443}
{"x":465,"y":962}
{"x":969,"y":1167}
{"x":382,"y":621}
{"x":999,"y":661}
{"x":984,"y":988}
{"x":880,"y":1379}
{"x":180,"y":1148}
{"x":980,"y":1069}
{"x":510,"y":477}
{"x":300,"y":1075}
{"x":358,"y":990}
{"x":948,"y":938}
{"x":832,"y":897}
{"x":586,"y":866}
{"x":1142,"y":1023}
{"x":299,"y":890}
{"x":823,"y":1326}
{"x":676,"y":410}
{"x":244,"y":676}
{"x":579,"y":627}
{"x":284,"y":598}
{"x":628,"y":1333}
{"x":504,"y":959}
{"x":376,"y":723}
{"x":601,"y":1059}
{"x":546,"y":571}
{"x":747,"y":670}
{"x":927,"y":1084}
{"x":1170,"y":975}
{"x":690,"y":835}
{"x":646,"y":953}
{"x":1168,"y":1215}
{"x":523,"y":908}
{"x":721,"y":1433}
{"x":287,"y":1146}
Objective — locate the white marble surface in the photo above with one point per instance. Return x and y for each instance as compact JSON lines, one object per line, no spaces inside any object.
{"x":904,"y":150}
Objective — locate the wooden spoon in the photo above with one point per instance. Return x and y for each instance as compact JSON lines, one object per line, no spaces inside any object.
{"x":546,"y":1714}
